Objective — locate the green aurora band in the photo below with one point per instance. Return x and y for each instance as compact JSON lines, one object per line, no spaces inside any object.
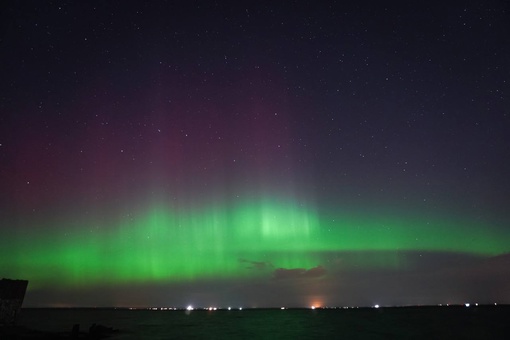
{"x":225,"y":241}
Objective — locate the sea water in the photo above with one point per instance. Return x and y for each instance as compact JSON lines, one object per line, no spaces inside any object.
{"x":364,"y":323}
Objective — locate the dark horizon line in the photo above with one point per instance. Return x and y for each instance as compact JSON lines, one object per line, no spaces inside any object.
{"x":234,"y":309}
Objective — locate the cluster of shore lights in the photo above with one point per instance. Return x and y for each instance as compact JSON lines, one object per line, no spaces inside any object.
{"x":190,"y":308}
{"x":313,"y":307}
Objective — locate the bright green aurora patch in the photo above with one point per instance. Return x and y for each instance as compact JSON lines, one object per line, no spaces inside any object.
{"x":226,"y":241}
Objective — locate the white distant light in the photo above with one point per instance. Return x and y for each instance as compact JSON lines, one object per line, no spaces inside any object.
{"x":466,"y":304}
{"x":282,"y":308}
{"x":189,"y":307}
{"x":229,"y":308}
{"x":376,"y":306}
{"x":313,"y":307}
{"x":240,"y":308}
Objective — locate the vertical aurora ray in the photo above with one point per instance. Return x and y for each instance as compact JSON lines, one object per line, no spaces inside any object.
{"x":164,"y":244}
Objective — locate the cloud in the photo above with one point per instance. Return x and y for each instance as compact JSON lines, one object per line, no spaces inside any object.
{"x":298,"y":273}
{"x":258,"y":265}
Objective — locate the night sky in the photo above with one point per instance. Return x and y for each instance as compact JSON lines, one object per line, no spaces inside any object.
{"x":255,"y":154}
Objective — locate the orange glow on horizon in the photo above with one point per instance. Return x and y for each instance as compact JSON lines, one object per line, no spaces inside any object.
{"x":316,"y":303}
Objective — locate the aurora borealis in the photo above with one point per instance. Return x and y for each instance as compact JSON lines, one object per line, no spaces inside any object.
{"x":163,"y":245}
{"x":263,"y":154}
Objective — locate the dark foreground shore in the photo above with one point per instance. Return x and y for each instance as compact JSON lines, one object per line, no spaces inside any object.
{"x":455,"y":322}
{"x":21,"y":332}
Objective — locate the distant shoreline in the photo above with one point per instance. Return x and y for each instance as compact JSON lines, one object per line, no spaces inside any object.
{"x":207,"y":309}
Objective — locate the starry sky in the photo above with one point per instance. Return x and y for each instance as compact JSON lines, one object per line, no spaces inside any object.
{"x":255,"y":154}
